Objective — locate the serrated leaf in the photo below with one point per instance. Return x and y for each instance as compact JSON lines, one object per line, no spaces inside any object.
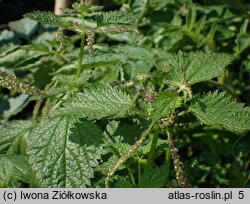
{"x":97,"y":102}
{"x":220,"y":109}
{"x":115,"y":17}
{"x":123,"y":182}
{"x":156,"y":178}
{"x":48,"y":18}
{"x":165,"y":104}
{"x":194,"y":67}
{"x":11,"y":133}
{"x":14,"y":168}
{"x":60,"y":152}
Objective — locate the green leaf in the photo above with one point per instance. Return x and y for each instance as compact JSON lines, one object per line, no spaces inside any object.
{"x":220,"y":109}
{"x":63,"y":152}
{"x":194,"y":67}
{"x":136,"y":59}
{"x":13,"y":57}
{"x":158,"y":4}
{"x":48,"y":18}
{"x":136,"y":68}
{"x":11,"y":134}
{"x":97,"y":102}
{"x":138,"y":7}
{"x":243,"y":38}
{"x":134,"y":52}
{"x":7,"y":36}
{"x":242,"y":145}
{"x":10,"y":106}
{"x":156,"y":178}
{"x":14,"y":168}
{"x":123,"y":182}
{"x":24,"y":27}
{"x":115,"y":17}
{"x":191,"y":16}
{"x":165,"y":104}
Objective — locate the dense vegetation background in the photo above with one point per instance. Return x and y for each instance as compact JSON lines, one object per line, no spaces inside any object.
{"x":213,"y":155}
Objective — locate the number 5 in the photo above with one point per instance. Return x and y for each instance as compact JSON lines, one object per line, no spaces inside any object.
{"x":241,"y":195}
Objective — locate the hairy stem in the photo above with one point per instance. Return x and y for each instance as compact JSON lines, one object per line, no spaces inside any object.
{"x":80,"y":60}
{"x":125,"y":156}
{"x":178,"y":166}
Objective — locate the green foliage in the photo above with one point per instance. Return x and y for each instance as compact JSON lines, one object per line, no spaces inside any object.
{"x":97,"y":102}
{"x":165,"y":104}
{"x":119,"y":102}
{"x":11,"y":136}
{"x":156,"y":178}
{"x":10,"y":106}
{"x":24,"y":27}
{"x":220,"y":109}
{"x":191,"y":68}
{"x":62,"y":152}
{"x":48,"y":18}
{"x":14,"y":169}
{"x":115,"y":17}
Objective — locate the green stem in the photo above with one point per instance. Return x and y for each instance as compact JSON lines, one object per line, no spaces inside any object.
{"x":168,"y":157}
{"x":168,"y":161}
{"x":131,"y":176}
{"x":128,"y":154}
{"x":80,"y":61}
{"x":139,"y":172}
{"x":151,"y":154}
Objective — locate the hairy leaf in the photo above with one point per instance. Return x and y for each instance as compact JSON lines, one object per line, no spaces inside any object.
{"x":14,"y":168}
{"x":12,"y":133}
{"x":63,"y":152}
{"x":165,"y":104}
{"x":220,"y":109}
{"x":97,"y":102}
{"x":47,"y":18}
{"x":156,"y":178}
{"x":194,"y":67}
{"x":115,"y":17}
